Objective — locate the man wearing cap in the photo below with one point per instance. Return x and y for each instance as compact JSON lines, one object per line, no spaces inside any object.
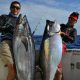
{"x":68,"y":34}
{"x":7,"y":25}
{"x":68,"y":31}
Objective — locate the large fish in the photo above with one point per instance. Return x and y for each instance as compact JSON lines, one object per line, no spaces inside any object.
{"x":24,"y":50}
{"x":50,"y":50}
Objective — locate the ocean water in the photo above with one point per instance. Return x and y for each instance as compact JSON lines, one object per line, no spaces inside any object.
{"x":37,"y":41}
{"x":75,"y":45}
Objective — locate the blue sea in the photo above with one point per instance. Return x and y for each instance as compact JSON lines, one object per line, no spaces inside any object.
{"x":75,"y":45}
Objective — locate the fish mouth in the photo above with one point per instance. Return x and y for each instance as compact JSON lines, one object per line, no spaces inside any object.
{"x":52,"y":27}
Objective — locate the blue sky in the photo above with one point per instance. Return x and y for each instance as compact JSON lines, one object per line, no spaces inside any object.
{"x":38,"y":11}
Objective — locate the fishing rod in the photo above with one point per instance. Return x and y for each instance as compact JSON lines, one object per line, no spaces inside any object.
{"x":36,"y":26}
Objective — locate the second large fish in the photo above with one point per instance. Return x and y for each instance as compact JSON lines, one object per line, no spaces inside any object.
{"x":51,"y":50}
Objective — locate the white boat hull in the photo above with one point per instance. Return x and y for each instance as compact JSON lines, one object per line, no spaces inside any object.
{"x":71,"y":65}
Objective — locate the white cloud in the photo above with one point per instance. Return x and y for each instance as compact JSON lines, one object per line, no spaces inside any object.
{"x":2,"y":0}
{"x":35,"y":12}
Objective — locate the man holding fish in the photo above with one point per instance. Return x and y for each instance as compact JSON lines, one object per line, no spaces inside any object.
{"x":7,"y":24}
{"x":68,"y":34}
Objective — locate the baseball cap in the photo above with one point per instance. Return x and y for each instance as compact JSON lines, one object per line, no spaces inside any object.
{"x":74,"y":15}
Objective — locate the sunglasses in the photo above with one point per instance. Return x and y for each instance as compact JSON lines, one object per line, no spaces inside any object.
{"x":72,"y":19}
{"x":17,"y":7}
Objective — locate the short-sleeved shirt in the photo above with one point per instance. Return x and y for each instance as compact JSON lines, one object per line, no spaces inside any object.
{"x":7,"y":24}
{"x":70,"y":31}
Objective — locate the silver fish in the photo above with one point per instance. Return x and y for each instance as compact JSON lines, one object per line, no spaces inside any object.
{"x":24,"y":50}
{"x":50,"y":50}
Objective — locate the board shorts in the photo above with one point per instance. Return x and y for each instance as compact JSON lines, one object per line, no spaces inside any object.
{"x":6,"y":51}
{"x":63,"y":53}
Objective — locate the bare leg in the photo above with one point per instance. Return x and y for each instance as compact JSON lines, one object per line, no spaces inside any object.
{"x":11,"y":72}
{"x":58,"y":75}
